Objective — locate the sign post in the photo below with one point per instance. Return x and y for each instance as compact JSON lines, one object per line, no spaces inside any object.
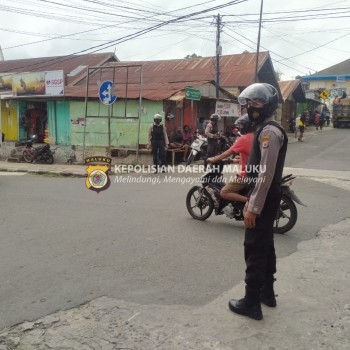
{"x":107,"y":97}
{"x":193,"y":95}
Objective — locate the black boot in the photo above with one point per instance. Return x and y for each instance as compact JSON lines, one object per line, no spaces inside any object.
{"x":241,"y":307}
{"x":267,"y":293}
{"x":248,"y":306}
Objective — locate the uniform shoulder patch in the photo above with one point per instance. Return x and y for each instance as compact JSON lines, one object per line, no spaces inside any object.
{"x":265,"y":140}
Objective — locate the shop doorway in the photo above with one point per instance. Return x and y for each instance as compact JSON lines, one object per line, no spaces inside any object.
{"x":35,"y":123}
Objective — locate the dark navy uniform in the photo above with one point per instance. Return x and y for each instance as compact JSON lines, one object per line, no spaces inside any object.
{"x":158,"y":140}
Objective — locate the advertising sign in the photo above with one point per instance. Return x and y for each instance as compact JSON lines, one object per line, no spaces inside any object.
{"x":6,"y":82}
{"x":28,"y":84}
{"x":50,"y":83}
{"x":54,"y":83}
{"x":227,"y":109}
{"x":341,"y":79}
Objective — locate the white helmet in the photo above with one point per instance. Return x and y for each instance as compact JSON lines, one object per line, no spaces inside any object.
{"x":157,"y":117}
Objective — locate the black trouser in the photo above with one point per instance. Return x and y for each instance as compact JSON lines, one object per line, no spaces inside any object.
{"x":158,"y":152}
{"x":212,"y":149}
{"x":259,"y":248}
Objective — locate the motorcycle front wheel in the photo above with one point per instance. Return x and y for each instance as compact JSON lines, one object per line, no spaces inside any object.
{"x":49,"y":159}
{"x":190,"y":158}
{"x":27,"y":156}
{"x":199,"y":203}
{"x":287,"y":215}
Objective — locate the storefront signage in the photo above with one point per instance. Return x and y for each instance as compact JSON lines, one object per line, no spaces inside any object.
{"x":28,"y":84}
{"x":54,"y":83}
{"x":6,"y":83}
{"x":50,"y":83}
{"x":192,"y":94}
{"x":340,"y":79}
{"x":227,"y":109}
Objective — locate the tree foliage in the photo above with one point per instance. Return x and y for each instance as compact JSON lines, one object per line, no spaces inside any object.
{"x":192,"y":56}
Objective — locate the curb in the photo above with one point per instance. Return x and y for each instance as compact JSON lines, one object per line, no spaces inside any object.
{"x":42,"y":172}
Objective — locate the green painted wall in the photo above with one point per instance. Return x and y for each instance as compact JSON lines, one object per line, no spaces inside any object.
{"x":51,"y":118}
{"x":123,"y":131}
{"x":63,"y":123}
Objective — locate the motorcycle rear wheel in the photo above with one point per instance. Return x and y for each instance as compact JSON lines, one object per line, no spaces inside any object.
{"x":198,"y":199}
{"x":27,"y":156}
{"x":287,"y":215}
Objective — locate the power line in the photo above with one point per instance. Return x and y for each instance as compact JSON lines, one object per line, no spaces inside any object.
{"x":101,"y":47}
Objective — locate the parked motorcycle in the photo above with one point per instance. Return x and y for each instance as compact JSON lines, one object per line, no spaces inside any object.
{"x":200,"y":201}
{"x":41,"y":153}
{"x":223,"y":144}
{"x":198,"y":146}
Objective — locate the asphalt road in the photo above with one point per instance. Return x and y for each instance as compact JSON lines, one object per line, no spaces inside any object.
{"x":62,"y":245}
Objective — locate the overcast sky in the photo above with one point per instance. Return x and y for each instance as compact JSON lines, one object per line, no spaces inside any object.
{"x":303,"y":36}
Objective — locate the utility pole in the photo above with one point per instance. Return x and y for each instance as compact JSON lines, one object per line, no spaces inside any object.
{"x":258,"y":45}
{"x":218,"y":53}
{"x":1,"y":55}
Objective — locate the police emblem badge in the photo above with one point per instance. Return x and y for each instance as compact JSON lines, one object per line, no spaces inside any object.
{"x":97,"y":174}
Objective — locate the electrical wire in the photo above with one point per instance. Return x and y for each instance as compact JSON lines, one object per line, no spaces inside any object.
{"x":101,"y":47}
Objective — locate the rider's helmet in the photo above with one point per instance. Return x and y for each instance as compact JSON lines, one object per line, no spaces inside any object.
{"x":244,"y":124}
{"x":214,"y":118}
{"x":235,"y":128}
{"x":261,"y":100}
{"x":157,"y":117}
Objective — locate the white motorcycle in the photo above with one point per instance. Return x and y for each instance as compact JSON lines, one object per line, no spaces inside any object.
{"x":197,"y":146}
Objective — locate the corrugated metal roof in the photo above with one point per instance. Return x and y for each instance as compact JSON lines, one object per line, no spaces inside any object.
{"x":65,"y":63}
{"x":159,"y":77}
{"x":292,"y":87}
{"x":150,"y":91}
{"x":342,"y":68}
{"x":235,"y":70}
{"x":287,"y":87}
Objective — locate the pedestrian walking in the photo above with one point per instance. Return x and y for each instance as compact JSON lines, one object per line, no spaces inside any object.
{"x":296,"y":125}
{"x":317,"y":119}
{"x":301,"y":127}
{"x":268,"y":153}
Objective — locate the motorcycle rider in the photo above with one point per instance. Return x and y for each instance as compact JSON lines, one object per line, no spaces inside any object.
{"x":268,"y":156}
{"x":242,"y":148}
{"x":211,"y":132}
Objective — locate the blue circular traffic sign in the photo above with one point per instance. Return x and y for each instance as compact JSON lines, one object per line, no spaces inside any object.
{"x":105,"y":93}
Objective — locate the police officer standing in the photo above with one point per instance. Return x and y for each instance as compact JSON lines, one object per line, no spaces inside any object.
{"x":158,"y":140}
{"x":211,"y":132}
{"x":266,"y":162}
